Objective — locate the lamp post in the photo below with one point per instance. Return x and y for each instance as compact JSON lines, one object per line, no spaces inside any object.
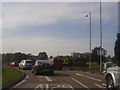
{"x":100,"y":38}
{"x":90,"y":41}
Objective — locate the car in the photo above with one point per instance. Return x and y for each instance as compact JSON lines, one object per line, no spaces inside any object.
{"x":13,"y":64}
{"x":112,"y":77}
{"x":25,"y":64}
{"x":57,"y":63}
{"x":43,"y":66}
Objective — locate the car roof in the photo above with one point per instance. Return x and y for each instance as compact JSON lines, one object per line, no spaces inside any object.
{"x":44,"y":61}
{"x":26,"y":60}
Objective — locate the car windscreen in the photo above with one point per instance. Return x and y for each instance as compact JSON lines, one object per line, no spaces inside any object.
{"x":29,"y":62}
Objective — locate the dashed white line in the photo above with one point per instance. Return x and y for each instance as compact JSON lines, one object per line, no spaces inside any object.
{"x":81,"y":84}
{"x":48,"y":78}
{"x":89,"y":77}
{"x":99,"y":86}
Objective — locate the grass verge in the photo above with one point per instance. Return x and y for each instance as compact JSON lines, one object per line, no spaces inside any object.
{"x":10,"y":75}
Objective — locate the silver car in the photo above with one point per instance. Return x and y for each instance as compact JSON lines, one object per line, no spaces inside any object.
{"x":25,"y":64}
{"x":112,"y":77}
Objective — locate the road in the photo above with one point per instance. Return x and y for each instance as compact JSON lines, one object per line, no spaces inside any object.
{"x":62,"y":80}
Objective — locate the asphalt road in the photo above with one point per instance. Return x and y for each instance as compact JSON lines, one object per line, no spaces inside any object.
{"x":62,"y":80}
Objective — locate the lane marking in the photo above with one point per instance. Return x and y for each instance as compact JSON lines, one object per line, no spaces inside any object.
{"x":81,"y":84}
{"x":53,"y":86}
{"x":89,"y":77}
{"x":39,"y":86}
{"x":47,"y":87}
{"x":71,"y":87}
{"x":22,"y":80}
{"x":48,"y":78}
{"x":99,"y":86}
{"x":104,"y":84}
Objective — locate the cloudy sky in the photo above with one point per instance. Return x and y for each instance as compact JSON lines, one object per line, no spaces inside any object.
{"x":57,"y":28}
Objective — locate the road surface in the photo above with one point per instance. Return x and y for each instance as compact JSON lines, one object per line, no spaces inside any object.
{"x":62,"y":80}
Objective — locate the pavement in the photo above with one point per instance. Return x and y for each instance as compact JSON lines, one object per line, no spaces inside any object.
{"x":62,"y":80}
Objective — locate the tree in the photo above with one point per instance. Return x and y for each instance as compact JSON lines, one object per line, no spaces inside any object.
{"x":19,"y":56}
{"x":51,"y":57}
{"x":117,"y":49}
{"x":42,"y":55}
{"x":7,"y":57}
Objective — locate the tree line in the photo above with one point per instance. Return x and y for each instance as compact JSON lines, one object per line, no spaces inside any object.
{"x":77,"y":60}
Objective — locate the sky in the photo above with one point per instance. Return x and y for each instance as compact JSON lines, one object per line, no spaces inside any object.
{"x":57,"y":28}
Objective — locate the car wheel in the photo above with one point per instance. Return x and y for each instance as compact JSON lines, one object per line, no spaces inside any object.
{"x":35,"y":72}
{"x":110,"y":83}
{"x":32,"y":71}
{"x":51,"y":73}
{"x":23,"y":68}
{"x":60,"y":68}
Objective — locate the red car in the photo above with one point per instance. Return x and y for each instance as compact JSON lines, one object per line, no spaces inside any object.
{"x":57,"y":63}
{"x":12,"y":64}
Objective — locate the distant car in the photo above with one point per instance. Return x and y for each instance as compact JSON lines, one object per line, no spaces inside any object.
{"x":43,"y":66}
{"x":25,"y":64}
{"x":112,"y":77}
{"x":13,"y":64}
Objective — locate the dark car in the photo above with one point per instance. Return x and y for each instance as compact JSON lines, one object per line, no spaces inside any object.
{"x":43,"y":66}
{"x":57,"y":63}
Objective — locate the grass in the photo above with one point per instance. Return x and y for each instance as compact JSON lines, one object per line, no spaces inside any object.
{"x":81,"y":67}
{"x":9,"y":75}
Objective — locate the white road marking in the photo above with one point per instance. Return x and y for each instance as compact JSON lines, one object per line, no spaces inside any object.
{"x":22,"y":80}
{"x":71,"y":87}
{"x":52,"y":86}
{"x":40,"y":76}
{"x":81,"y":83}
{"x":89,"y":77}
{"x":39,"y":86}
{"x":104,"y":84}
{"x":58,"y":85}
{"x":47,"y":86}
{"x":99,"y":86}
{"x":48,"y":78}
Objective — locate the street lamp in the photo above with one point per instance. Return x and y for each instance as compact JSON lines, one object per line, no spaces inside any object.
{"x":90,"y":41}
{"x":100,"y":37}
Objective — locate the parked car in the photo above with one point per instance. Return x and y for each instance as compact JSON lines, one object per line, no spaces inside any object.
{"x":42,"y":66}
{"x":112,"y":78}
{"x":25,"y":64}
